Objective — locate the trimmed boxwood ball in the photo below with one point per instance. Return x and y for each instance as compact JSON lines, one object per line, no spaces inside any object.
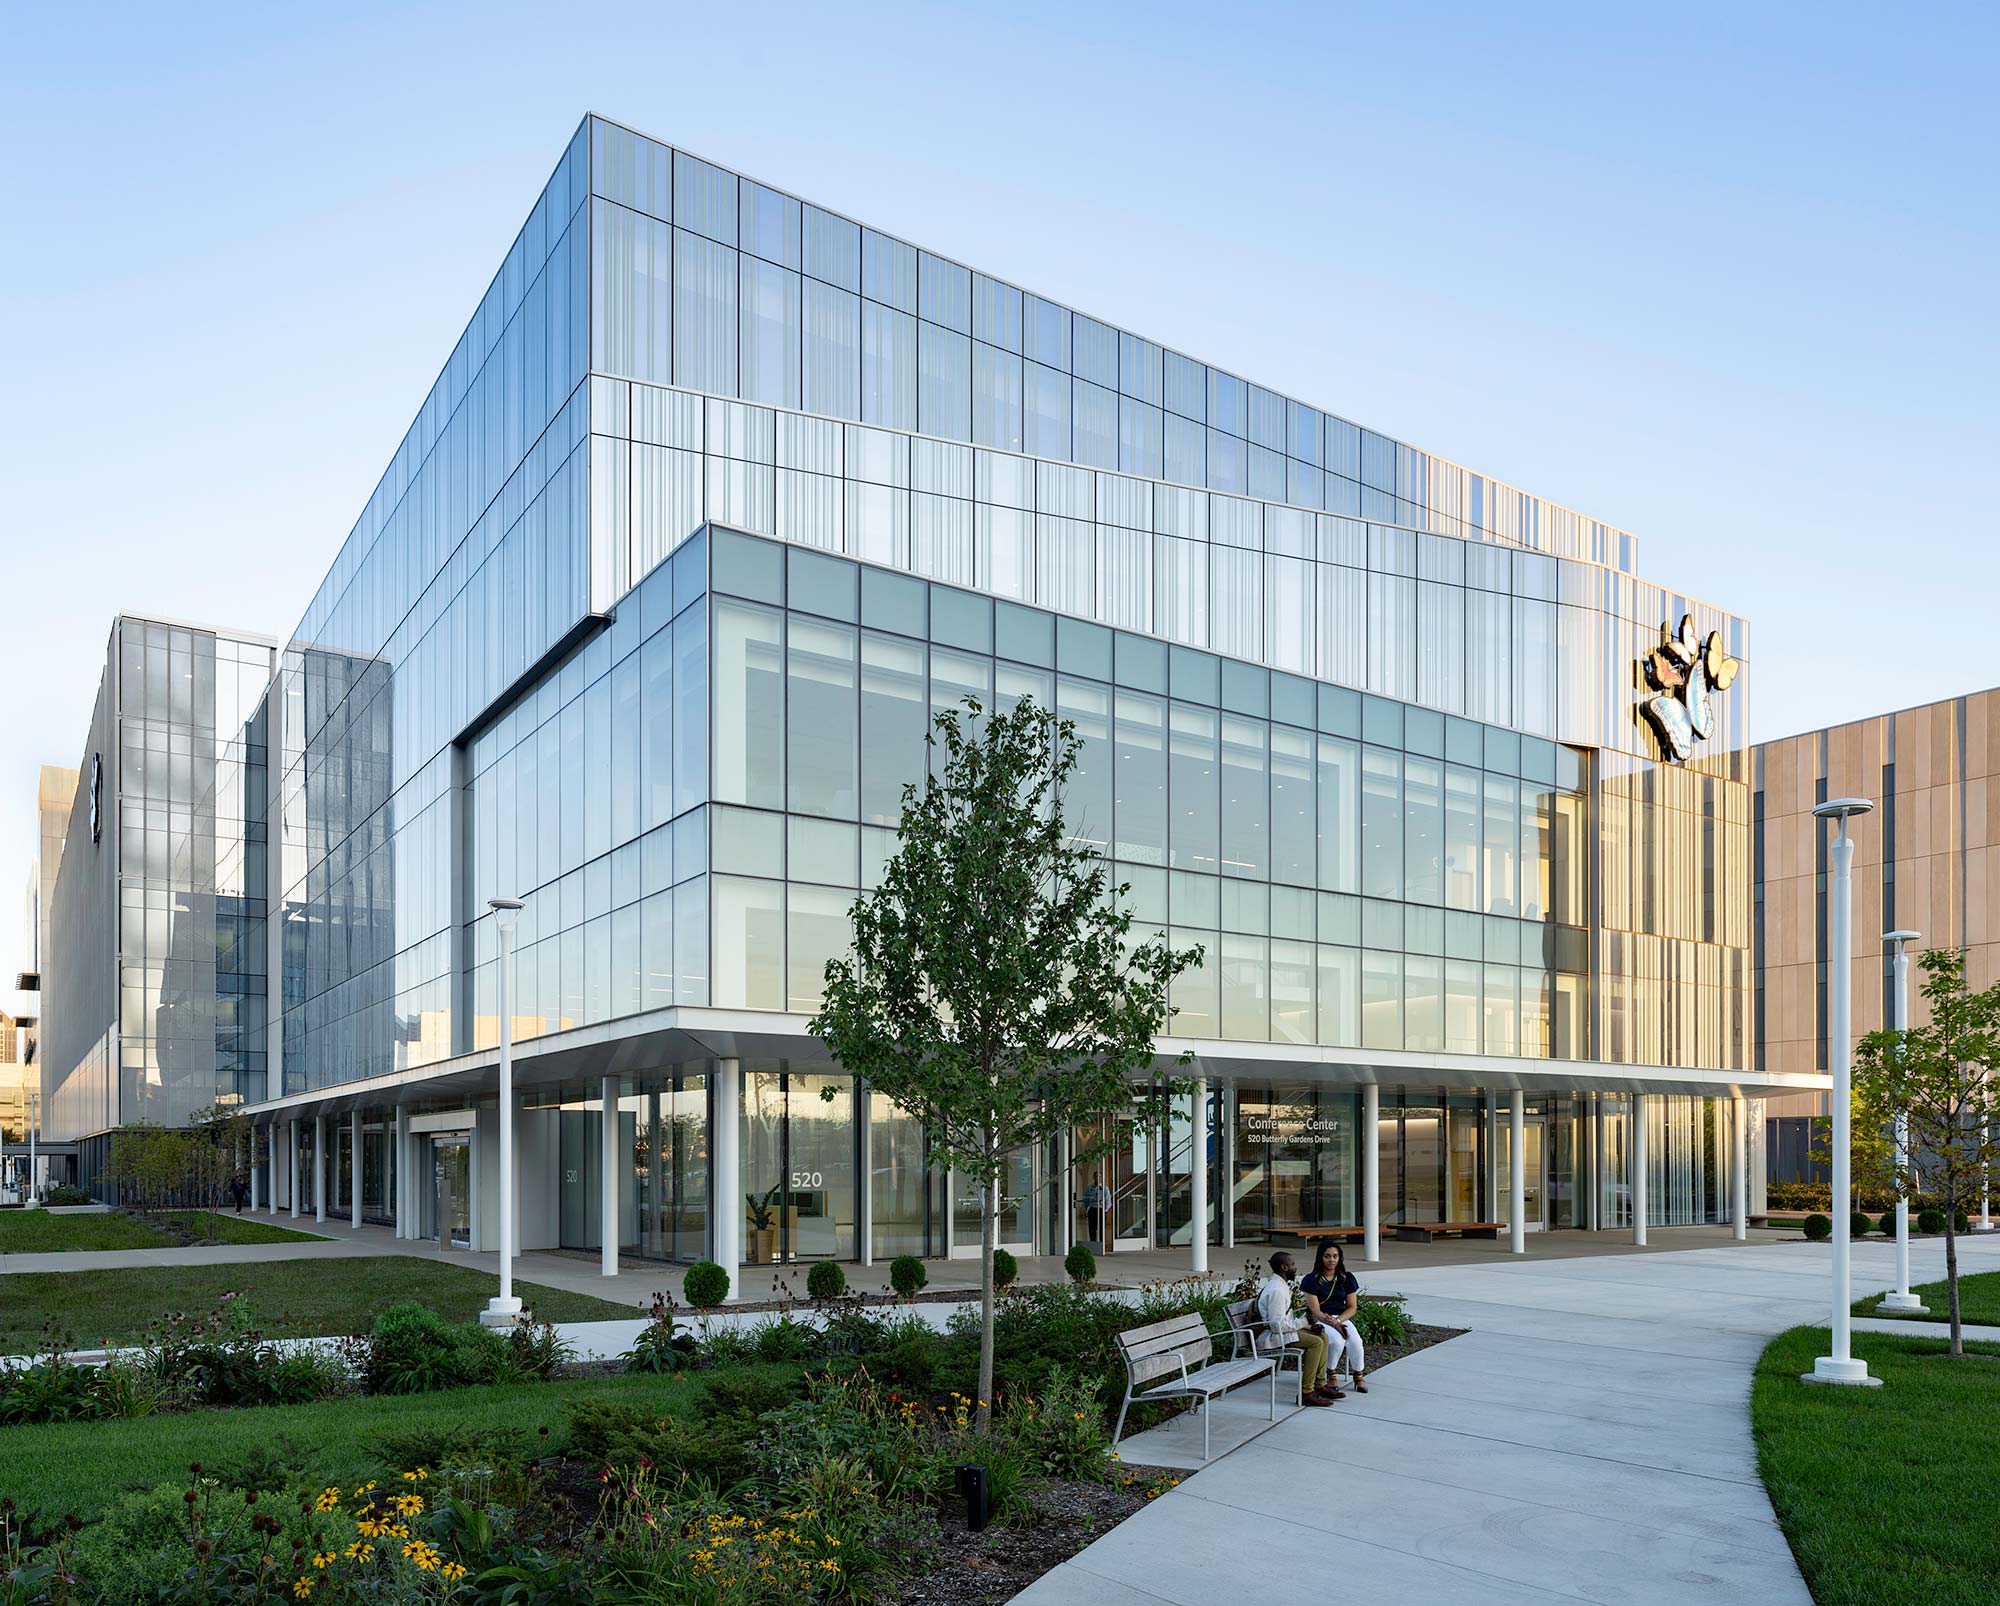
{"x":1888,"y":1224}
{"x":907,"y":1275}
{"x":1081,"y":1264}
{"x":1860,"y":1225}
{"x":1930,"y":1221}
{"x":1819,"y":1226}
{"x":826,"y":1280}
{"x":1005,"y":1269}
{"x":1959,"y":1222}
{"x":706,"y":1285}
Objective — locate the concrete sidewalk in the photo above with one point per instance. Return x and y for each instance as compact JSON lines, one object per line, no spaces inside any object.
{"x":1588,"y":1439}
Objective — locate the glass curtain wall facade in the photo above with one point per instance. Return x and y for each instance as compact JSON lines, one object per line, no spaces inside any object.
{"x":722,"y":496}
{"x":159,"y":924}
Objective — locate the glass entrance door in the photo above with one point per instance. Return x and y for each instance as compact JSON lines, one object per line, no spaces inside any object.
{"x":451,"y":1210}
{"x":1015,"y":1230}
{"x":1534,"y":1180}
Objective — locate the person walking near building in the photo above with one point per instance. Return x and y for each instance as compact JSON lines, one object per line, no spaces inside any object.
{"x":239,"y":1190}
{"x":1096,"y":1201}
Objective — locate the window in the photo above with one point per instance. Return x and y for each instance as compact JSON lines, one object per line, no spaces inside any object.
{"x":749,"y":706}
{"x":822,"y":716}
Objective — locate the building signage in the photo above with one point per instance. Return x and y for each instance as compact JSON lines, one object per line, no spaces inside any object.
{"x":1685,"y":672}
{"x":96,"y":796}
{"x":1291,"y":1126}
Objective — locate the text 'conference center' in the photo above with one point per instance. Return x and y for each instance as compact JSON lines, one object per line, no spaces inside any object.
{"x":719,"y":497}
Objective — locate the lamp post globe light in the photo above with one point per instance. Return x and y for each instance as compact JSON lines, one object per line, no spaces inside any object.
{"x":504,"y":1310}
{"x":1902,"y":1299}
{"x":1841,"y":1367}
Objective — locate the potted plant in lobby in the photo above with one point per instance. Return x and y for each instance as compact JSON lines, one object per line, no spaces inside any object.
{"x":763,"y":1225}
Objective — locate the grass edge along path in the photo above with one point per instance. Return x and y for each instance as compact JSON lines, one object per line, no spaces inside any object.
{"x":1978,"y":1299}
{"x":85,"y":1467}
{"x":319,"y":1298}
{"x":1886,"y":1495}
{"x":42,"y":1232}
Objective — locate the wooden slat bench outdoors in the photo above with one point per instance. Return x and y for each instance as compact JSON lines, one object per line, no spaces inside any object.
{"x":1347,"y":1234}
{"x":1175,"y":1359}
{"x":1422,"y":1232}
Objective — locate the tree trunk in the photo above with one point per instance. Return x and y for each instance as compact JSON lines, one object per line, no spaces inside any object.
{"x":989,"y":1234}
{"x":1951,"y":1268}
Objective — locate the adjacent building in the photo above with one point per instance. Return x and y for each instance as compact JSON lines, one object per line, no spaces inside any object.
{"x":157,"y":930}
{"x":719,"y":497}
{"x":1926,"y":859}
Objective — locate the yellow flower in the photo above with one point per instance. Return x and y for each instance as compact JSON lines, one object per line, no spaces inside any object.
{"x":322,"y":1559}
{"x":302,"y":1588}
{"x":454,"y":1570}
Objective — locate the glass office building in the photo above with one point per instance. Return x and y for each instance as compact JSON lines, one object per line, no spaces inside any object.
{"x":157,"y":935}
{"x":719,"y":498}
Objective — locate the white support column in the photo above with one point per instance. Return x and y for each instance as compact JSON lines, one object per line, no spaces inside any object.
{"x":864,"y":1198}
{"x":1198,"y":1179}
{"x":607,"y":1191}
{"x":1225,"y":1146}
{"x":271,"y":1168}
{"x":726,"y":1200}
{"x":399,"y":1149}
{"x":1597,"y":1162}
{"x":1739,"y":1192}
{"x":1638,"y":1168}
{"x":256,"y":1192}
{"x":1517,"y":1173}
{"x":354,"y":1170}
{"x":1490,"y":1203}
{"x":1371,"y":1181}
{"x":292,"y":1148}
{"x":319,"y":1168}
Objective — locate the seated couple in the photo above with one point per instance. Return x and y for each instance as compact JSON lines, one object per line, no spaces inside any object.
{"x":1331,"y":1294}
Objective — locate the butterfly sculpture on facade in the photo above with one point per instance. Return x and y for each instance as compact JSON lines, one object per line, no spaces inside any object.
{"x":1685,"y":672}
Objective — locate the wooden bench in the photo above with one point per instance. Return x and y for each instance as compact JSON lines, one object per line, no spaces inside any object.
{"x":1344,"y":1232}
{"x":1422,"y":1232}
{"x":1180,"y":1354}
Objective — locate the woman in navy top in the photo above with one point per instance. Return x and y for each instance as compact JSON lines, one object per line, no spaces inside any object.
{"x":1332,"y":1295}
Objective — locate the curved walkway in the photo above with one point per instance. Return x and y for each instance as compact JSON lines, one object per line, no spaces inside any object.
{"x":1588,"y":1439}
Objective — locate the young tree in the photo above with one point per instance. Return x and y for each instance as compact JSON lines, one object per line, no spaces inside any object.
{"x":1940,"y":1078}
{"x":993,"y":990}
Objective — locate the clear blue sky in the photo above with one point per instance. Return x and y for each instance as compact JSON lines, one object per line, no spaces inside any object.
{"x":1720,"y":274}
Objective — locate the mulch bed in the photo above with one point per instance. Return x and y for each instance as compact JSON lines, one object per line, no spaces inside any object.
{"x":1421,"y":1337}
{"x":950,"y":1566}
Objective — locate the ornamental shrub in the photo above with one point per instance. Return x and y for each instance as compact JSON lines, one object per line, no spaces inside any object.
{"x":1860,"y":1225}
{"x":907,"y":1275}
{"x":1959,"y":1223}
{"x":66,"y":1193}
{"x":1888,"y":1224}
{"x":826,"y":1280}
{"x":1081,"y":1265}
{"x":1005,"y":1268}
{"x":1819,"y":1227}
{"x":706,"y":1285}
{"x":1931,"y":1221}
{"x":1382,"y":1321}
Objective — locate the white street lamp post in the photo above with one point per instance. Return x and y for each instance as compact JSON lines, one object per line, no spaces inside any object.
{"x":503,"y":1310}
{"x":1841,"y":1366}
{"x":1902,"y":1299}
{"x":34,"y":1103}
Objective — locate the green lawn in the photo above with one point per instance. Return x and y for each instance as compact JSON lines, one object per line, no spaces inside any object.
{"x":226,"y":1227}
{"x":84,"y":1466}
{"x":292,"y":1298}
{"x":35,"y":1232}
{"x":1978,"y":1300}
{"x":1887,"y":1495}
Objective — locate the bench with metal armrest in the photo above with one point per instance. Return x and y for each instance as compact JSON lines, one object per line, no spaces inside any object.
{"x":1175,"y":1359}
{"x":1422,"y":1232}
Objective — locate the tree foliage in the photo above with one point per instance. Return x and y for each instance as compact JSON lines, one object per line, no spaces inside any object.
{"x":1939,"y":1078}
{"x":191,"y":1167}
{"x":995,"y":990}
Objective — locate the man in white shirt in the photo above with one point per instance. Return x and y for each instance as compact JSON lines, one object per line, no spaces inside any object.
{"x":1279,"y":1329}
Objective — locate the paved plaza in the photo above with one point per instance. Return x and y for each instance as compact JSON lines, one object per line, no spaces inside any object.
{"x":1588,"y":1439}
